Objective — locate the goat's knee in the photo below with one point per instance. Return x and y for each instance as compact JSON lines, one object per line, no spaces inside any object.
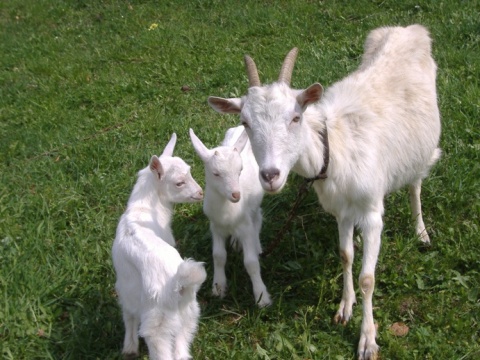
{"x":346,"y":257}
{"x":367,"y":284}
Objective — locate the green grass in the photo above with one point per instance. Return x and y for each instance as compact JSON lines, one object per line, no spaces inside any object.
{"x":90,"y":90}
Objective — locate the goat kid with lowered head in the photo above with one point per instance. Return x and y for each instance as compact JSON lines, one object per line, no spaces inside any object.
{"x":156,"y":287}
{"x":233,"y":195}
{"x":373,"y":132}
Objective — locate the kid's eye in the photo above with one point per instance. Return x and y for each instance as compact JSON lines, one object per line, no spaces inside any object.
{"x":216,"y":174}
{"x":180,"y":184}
{"x":296,"y":119}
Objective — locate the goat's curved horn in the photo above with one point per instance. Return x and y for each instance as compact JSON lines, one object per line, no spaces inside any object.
{"x":287,"y":67}
{"x":252,"y":72}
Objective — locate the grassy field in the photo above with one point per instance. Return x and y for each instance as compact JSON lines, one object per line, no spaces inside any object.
{"x":90,"y":89}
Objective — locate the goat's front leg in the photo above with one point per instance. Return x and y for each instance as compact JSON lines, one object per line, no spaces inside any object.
{"x":372,"y":231}
{"x":219,"y":253}
{"x":251,"y":251}
{"x":345,"y":230}
{"x":416,"y":206}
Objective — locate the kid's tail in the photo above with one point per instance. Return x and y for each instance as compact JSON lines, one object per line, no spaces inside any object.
{"x":190,"y":275}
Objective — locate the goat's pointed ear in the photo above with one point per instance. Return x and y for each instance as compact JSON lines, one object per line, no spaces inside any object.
{"x":168,"y":151}
{"x":310,"y":95}
{"x":241,"y":141}
{"x":226,"y":106}
{"x":156,"y":167}
{"x":200,"y":149}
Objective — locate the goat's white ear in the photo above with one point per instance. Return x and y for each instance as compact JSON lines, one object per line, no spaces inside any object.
{"x":168,"y":151}
{"x":241,"y":141}
{"x":310,"y":95}
{"x":226,"y":106}
{"x":156,"y":167}
{"x":200,"y":149}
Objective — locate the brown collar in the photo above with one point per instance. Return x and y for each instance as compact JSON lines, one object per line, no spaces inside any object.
{"x":322,"y":175}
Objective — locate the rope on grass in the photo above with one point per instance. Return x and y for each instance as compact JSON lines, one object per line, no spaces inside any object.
{"x":302,"y":192}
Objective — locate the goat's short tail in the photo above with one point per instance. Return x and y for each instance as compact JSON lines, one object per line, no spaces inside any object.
{"x":190,"y":274}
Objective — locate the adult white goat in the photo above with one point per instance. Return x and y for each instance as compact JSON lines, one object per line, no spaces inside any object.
{"x":156,"y":287}
{"x":371,"y":133}
{"x":233,"y":195}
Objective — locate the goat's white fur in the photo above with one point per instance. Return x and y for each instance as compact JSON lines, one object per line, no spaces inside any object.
{"x":233,"y":195}
{"x":156,"y":287}
{"x":383,"y":125}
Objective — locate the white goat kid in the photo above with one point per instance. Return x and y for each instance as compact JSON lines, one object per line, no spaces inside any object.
{"x":156,"y":287}
{"x":232,"y":203}
{"x":371,"y":133}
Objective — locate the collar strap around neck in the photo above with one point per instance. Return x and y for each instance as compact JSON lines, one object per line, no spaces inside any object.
{"x":322,"y":175}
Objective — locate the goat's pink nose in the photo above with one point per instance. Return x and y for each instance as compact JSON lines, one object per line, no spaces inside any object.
{"x":236,"y":195}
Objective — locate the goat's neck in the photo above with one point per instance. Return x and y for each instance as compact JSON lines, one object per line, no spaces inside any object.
{"x":312,"y":160}
{"x":146,"y":200}
{"x":213,"y":193}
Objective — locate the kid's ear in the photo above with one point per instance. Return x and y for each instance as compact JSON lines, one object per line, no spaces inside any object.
{"x":241,"y":141}
{"x":199,"y":147}
{"x":168,"y":151}
{"x":156,"y":167}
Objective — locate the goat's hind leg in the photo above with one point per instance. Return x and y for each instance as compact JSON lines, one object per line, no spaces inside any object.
{"x":345,"y":230}
{"x":130,"y":343}
{"x":157,"y":328}
{"x":184,"y":337}
{"x":416,"y":206}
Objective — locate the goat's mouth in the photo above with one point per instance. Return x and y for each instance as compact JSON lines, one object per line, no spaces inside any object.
{"x":273,"y":188}
{"x":196,"y":198}
{"x":273,"y":185}
{"x":233,"y":200}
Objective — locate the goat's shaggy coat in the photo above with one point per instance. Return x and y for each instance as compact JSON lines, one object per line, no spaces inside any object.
{"x":383,"y":127}
{"x":156,"y":287}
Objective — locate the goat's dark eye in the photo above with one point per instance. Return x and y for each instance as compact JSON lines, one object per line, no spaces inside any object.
{"x":180,"y":184}
{"x":296,"y":119}
{"x":216,"y":174}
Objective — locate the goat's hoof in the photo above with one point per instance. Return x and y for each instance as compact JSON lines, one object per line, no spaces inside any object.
{"x":340,"y":318}
{"x":423,"y":236}
{"x":264,"y":300}
{"x":367,"y":347}
{"x":344,"y":312}
{"x":219,"y":291}
{"x":264,"y":303}
{"x":369,"y":354}
{"x":130,"y":356}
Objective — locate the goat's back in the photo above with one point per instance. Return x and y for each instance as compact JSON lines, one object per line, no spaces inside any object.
{"x":384,"y":117}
